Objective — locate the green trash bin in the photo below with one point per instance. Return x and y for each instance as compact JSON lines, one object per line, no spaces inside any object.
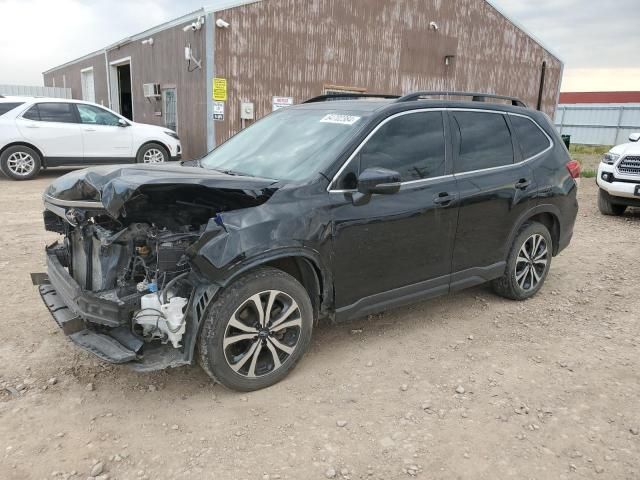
{"x":567,"y":140}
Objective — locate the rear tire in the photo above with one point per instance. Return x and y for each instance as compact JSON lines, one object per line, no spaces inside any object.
{"x":606,"y":207}
{"x":152,"y":153}
{"x":528,"y":263}
{"x":20,"y":162}
{"x":247,"y":349}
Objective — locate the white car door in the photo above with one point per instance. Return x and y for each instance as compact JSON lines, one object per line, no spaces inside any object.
{"x":53,"y":128}
{"x":105,"y":139}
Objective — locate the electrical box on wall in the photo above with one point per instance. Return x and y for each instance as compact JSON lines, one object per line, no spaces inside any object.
{"x":247,"y":111}
{"x":151,"y":90}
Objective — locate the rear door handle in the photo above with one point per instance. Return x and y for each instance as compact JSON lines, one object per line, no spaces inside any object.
{"x":32,"y":125}
{"x":523,"y":184}
{"x":443,"y":199}
{"x":89,"y":129}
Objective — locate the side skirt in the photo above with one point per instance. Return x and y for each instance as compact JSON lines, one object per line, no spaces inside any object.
{"x":85,"y":161}
{"x":476,"y":276}
{"x":394,"y":298}
{"x":420,"y":291}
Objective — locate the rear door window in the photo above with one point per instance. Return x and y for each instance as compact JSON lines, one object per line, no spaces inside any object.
{"x":52,"y":112}
{"x":412,"y":145}
{"x":8,"y":106}
{"x":531,"y":139}
{"x":484,"y":141}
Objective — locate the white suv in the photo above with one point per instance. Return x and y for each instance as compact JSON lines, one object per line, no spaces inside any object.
{"x":38,"y":133}
{"x":619,"y":178}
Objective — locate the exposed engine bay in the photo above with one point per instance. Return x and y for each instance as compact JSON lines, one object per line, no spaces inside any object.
{"x":124,"y":281}
{"x":140,"y":266}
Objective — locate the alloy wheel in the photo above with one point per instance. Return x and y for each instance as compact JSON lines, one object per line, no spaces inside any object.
{"x":21,"y":164}
{"x":262,"y":333}
{"x":153,"y":155}
{"x":531,"y":262}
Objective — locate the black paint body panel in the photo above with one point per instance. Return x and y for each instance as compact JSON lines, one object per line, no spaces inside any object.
{"x":372,"y":252}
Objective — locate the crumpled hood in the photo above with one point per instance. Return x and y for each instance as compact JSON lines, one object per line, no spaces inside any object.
{"x":115,"y":185}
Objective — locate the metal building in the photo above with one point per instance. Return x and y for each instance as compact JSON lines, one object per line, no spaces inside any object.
{"x":213,"y":71}
{"x":598,"y":118}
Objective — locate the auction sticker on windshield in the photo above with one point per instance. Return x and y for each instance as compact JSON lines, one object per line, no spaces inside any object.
{"x":340,"y":119}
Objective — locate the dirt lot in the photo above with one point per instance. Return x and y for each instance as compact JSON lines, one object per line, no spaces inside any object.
{"x":470,"y":386}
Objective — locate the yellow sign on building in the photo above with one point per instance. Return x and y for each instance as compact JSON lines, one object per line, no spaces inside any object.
{"x":220,"y":89}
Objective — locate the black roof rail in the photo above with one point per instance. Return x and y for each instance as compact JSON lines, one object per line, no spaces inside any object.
{"x":348,"y":96}
{"x":475,"y":97}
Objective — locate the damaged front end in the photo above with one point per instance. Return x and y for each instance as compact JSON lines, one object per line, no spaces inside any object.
{"x":121,"y":282}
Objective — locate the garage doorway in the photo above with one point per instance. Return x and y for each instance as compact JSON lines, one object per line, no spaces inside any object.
{"x":121,"y":92}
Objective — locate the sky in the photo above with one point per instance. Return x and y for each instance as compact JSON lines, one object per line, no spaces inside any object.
{"x":598,"y":40}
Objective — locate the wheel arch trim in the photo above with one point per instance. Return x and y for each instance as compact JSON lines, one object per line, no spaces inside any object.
{"x":146,"y":143}
{"x":548,"y":209}
{"x":23,"y":143}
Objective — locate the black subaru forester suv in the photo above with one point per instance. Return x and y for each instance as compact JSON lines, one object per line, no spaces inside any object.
{"x":325,"y":210}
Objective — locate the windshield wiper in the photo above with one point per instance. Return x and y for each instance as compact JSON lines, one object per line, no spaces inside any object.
{"x":231,"y":172}
{"x":191,"y":163}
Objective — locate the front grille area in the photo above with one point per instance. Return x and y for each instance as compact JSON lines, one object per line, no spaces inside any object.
{"x":630,"y":166}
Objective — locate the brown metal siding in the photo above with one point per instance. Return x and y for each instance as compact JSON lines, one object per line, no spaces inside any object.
{"x":161,"y":63}
{"x":164,"y":63}
{"x":72,"y":78}
{"x":295,"y":48}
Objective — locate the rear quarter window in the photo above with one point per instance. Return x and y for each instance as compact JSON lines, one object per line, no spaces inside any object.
{"x":531,"y":139}
{"x":8,"y":106}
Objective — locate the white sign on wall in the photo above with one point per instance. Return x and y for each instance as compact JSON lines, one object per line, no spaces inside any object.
{"x":218,"y":111}
{"x":281,"y":102}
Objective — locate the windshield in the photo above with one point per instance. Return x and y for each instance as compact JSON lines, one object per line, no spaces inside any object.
{"x":291,"y":144}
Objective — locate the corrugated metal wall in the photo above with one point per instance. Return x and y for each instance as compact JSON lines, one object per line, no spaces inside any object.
{"x":294,"y":48}
{"x":161,"y":63}
{"x":31,"y":91}
{"x":598,"y":124}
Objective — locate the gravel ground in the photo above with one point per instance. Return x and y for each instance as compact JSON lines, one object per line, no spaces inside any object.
{"x":469,"y":386}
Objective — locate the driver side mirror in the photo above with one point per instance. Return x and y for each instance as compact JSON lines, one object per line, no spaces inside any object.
{"x":379,"y":180}
{"x":123,"y":123}
{"x":634,"y":137}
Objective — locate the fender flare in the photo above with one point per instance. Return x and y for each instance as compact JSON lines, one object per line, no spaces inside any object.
{"x":548,"y":208}
{"x":255,"y":261}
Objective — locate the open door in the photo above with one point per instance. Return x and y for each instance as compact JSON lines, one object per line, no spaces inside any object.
{"x":120,"y":84}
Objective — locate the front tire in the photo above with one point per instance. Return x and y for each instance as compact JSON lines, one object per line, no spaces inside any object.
{"x":20,"y":162}
{"x":606,"y":207}
{"x":256,"y":330}
{"x":528,"y":263}
{"x":152,"y":153}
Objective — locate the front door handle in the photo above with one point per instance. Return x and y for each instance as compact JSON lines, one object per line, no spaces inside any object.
{"x":89,"y":129}
{"x":443,"y":199}
{"x":523,"y":184}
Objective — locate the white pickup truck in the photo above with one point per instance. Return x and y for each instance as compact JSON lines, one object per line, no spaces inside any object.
{"x":619,"y":178}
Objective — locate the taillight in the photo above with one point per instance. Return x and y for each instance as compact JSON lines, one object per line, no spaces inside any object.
{"x":574,"y":168}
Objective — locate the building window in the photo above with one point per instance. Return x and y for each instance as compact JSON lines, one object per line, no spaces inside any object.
{"x":170,"y":108}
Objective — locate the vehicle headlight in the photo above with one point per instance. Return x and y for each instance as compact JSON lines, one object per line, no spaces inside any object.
{"x":172,"y":134}
{"x":610,"y":158}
